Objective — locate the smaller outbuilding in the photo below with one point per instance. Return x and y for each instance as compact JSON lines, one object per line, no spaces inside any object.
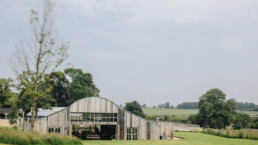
{"x":4,"y":121}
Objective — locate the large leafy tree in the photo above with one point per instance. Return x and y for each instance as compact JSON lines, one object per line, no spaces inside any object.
{"x":241,"y":120}
{"x":81,"y":86}
{"x":59,"y":85}
{"x":7,"y":97}
{"x":214,"y":110}
{"x":36,"y":58}
{"x":135,"y":108}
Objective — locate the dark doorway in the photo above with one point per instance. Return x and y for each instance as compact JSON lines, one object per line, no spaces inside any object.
{"x":107,"y":132}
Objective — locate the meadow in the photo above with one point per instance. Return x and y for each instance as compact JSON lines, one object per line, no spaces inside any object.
{"x":184,"y":113}
{"x":191,"y":138}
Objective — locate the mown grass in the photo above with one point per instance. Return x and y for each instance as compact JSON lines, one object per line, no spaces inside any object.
{"x":191,"y":138}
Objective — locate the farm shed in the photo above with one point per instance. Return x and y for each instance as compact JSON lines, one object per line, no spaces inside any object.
{"x":4,"y":121}
{"x":99,"y":118}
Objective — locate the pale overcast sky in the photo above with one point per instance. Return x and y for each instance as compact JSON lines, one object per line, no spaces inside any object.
{"x":151,"y":51}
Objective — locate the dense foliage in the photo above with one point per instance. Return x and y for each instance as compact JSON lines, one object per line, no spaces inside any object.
{"x":81,"y":86}
{"x":215,"y":111}
{"x":71,"y":85}
{"x":241,"y":120}
{"x":14,"y":136}
{"x":135,"y":108}
{"x":7,"y":97}
{"x":188,"y":105}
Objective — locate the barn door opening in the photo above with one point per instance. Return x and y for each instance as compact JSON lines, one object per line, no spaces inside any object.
{"x":107,"y":132}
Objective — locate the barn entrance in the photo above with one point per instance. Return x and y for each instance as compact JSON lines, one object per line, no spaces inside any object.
{"x":107,"y":132}
{"x":96,"y":132}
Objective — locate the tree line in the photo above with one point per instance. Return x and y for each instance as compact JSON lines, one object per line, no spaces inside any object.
{"x":194,"y":105}
{"x":65,"y":87}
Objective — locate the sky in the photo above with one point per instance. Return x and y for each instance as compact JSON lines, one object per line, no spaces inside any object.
{"x":151,"y":51}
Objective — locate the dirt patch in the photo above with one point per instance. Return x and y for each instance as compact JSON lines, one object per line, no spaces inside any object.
{"x":178,"y":137}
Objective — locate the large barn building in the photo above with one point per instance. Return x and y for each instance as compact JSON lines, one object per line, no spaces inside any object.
{"x":99,"y":118}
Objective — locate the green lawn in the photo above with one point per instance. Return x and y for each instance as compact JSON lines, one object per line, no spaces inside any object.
{"x":191,"y":138}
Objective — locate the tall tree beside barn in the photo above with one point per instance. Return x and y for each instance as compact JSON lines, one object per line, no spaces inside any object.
{"x":59,"y":82}
{"x":81,"y":85}
{"x":70,"y":86}
{"x":135,"y":108}
{"x":37,"y":56}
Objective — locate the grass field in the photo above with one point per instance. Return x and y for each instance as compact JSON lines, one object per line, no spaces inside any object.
{"x":191,"y":138}
{"x":179,"y":112}
{"x":165,"y":111}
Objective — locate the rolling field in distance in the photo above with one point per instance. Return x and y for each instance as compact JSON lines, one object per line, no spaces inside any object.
{"x":191,"y":138}
{"x":169,"y":111}
{"x":179,"y":112}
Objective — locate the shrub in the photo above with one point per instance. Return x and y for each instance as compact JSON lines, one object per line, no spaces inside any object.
{"x":11,"y":136}
{"x":240,"y":135}
{"x":232,"y":133}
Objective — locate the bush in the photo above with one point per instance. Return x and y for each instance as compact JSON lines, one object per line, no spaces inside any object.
{"x":232,"y":133}
{"x":240,"y":135}
{"x":12,"y":136}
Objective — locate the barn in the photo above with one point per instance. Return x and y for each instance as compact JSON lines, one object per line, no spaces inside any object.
{"x":95,"y":118}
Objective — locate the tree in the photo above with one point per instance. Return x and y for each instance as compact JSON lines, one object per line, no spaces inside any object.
{"x":215,"y":111}
{"x":59,"y":92}
{"x":135,"y":108}
{"x":7,"y":97}
{"x":35,"y":59}
{"x":241,"y":120}
{"x":167,"y":105}
{"x":81,"y":86}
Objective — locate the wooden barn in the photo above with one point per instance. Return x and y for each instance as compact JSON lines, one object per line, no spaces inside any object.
{"x":96,"y":118}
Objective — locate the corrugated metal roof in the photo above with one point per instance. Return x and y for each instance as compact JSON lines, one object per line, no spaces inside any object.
{"x":47,"y":112}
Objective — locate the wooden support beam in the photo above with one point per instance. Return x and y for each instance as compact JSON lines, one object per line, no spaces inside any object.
{"x":70,"y":130}
{"x":118,"y":132}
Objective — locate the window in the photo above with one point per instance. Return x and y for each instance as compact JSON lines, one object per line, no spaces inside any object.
{"x":94,"y":117}
{"x":51,"y":130}
{"x":132,"y":134}
{"x":57,"y":130}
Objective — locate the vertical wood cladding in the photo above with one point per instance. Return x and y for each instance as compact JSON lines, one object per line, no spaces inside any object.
{"x":56,"y":121}
{"x":126,"y":120}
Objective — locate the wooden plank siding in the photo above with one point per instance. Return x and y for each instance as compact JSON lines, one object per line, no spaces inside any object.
{"x":62,"y":119}
{"x":55,"y":120}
